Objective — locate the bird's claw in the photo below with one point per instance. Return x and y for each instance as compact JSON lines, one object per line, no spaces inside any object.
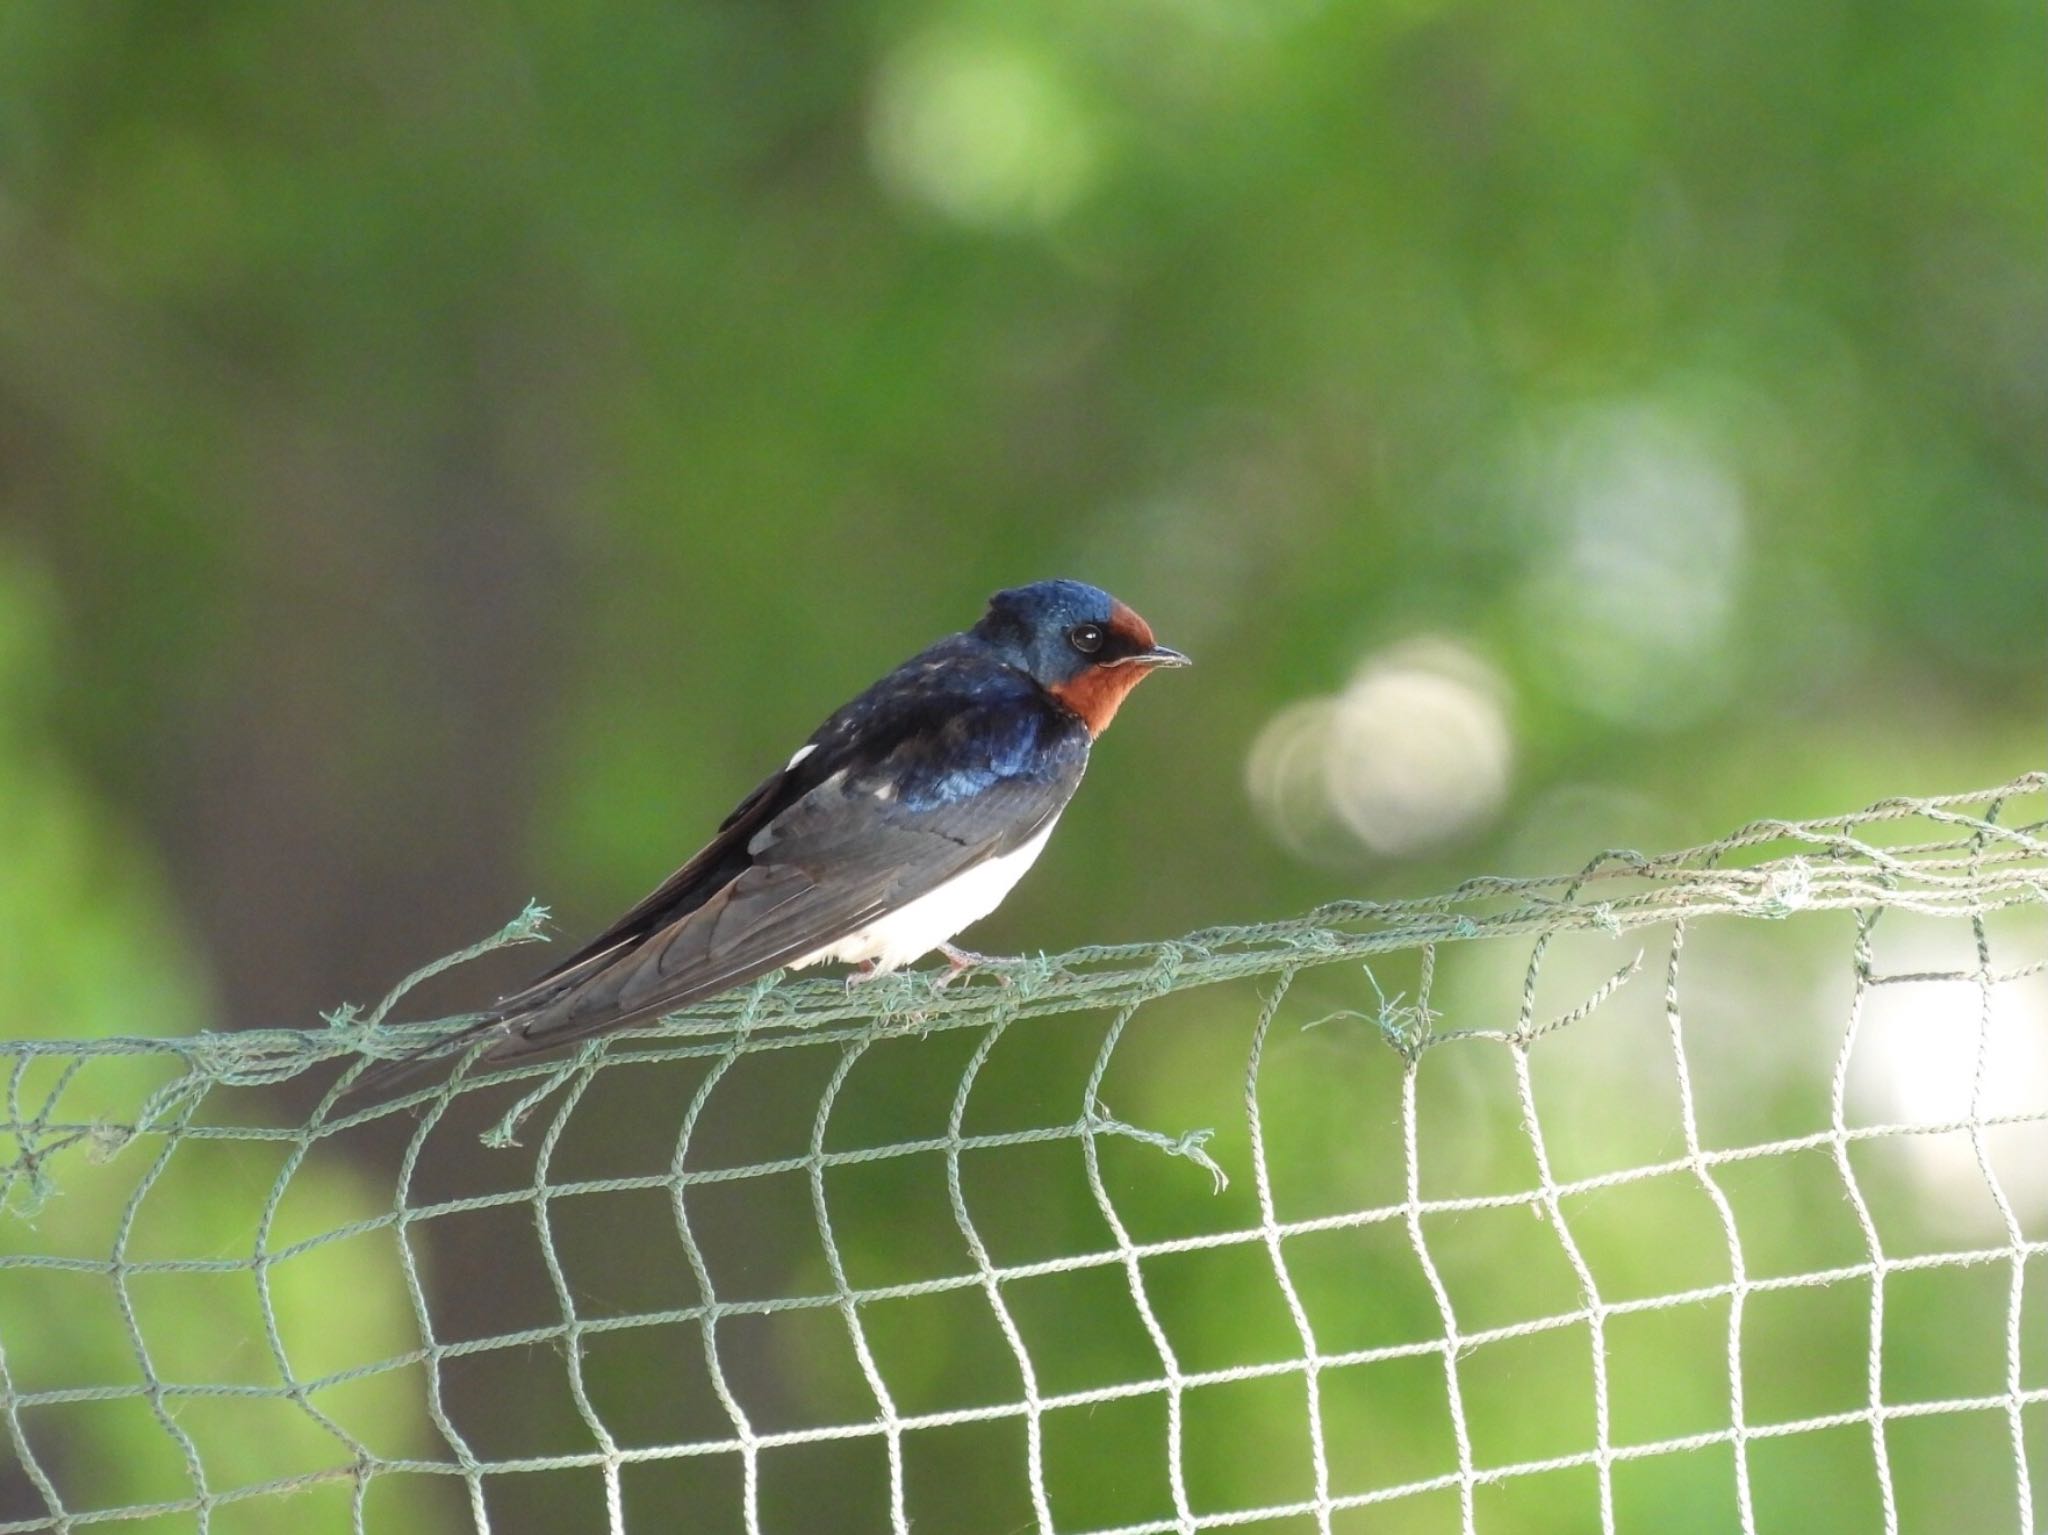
{"x":960,"y":961}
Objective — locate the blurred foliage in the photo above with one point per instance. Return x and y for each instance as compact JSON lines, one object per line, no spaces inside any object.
{"x":94,"y":946}
{"x":450,"y":454}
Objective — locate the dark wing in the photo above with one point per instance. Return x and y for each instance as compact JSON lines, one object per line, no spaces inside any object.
{"x":712,"y":867}
{"x":949,"y":705}
{"x":836,"y":860}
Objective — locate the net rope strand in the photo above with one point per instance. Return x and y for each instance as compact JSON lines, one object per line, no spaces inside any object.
{"x":1956,"y":861}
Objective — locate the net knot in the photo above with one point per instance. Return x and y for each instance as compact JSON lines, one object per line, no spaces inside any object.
{"x":1189,"y":1144}
{"x":106,"y":1140}
{"x":1316,"y":940}
{"x":1784,"y":889}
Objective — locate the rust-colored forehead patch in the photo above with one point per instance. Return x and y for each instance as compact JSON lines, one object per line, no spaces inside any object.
{"x":1124,"y":621}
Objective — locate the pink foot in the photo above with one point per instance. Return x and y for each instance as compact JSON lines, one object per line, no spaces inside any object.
{"x":959,"y":962}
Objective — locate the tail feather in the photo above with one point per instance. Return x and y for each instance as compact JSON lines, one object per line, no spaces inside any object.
{"x":380,"y":1078}
{"x":502,"y":1018}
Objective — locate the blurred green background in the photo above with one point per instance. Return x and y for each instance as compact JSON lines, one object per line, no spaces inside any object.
{"x":448,"y":455}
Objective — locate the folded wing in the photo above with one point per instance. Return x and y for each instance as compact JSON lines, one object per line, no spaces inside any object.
{"x":843,"y":855}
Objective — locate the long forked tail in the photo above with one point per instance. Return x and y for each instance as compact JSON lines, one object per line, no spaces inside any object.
{"x":504,"y":1019}
{"x":382,"y":1076}
{"x":500,"y":1017}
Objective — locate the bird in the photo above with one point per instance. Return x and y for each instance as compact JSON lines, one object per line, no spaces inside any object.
{"x":906,"y":816}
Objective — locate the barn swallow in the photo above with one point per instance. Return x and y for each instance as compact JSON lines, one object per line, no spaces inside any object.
{"x":906,"y":816}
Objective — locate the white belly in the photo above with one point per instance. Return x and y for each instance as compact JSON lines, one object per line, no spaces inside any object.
{"x":936,"y":916}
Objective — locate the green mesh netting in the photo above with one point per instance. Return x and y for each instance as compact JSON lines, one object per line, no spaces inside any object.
{"x":1713,"y":1183}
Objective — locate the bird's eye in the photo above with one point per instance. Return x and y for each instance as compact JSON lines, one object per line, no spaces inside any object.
{"x":1086,"y":638}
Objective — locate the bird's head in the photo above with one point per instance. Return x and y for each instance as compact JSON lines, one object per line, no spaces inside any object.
{"x":1079,"y":643}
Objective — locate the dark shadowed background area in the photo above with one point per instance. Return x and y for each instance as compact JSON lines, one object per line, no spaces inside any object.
{"x":447,"y":456}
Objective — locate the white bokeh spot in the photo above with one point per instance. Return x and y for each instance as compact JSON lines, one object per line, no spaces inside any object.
{"x":981,"y":131}
{"x":1415,"y":752}
{"x":1632,"y":602}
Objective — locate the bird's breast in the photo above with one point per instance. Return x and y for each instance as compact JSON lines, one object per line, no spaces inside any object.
{"x":919,"y":926}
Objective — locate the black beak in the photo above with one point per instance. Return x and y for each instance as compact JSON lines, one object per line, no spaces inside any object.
{"x":1161,"y":655}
